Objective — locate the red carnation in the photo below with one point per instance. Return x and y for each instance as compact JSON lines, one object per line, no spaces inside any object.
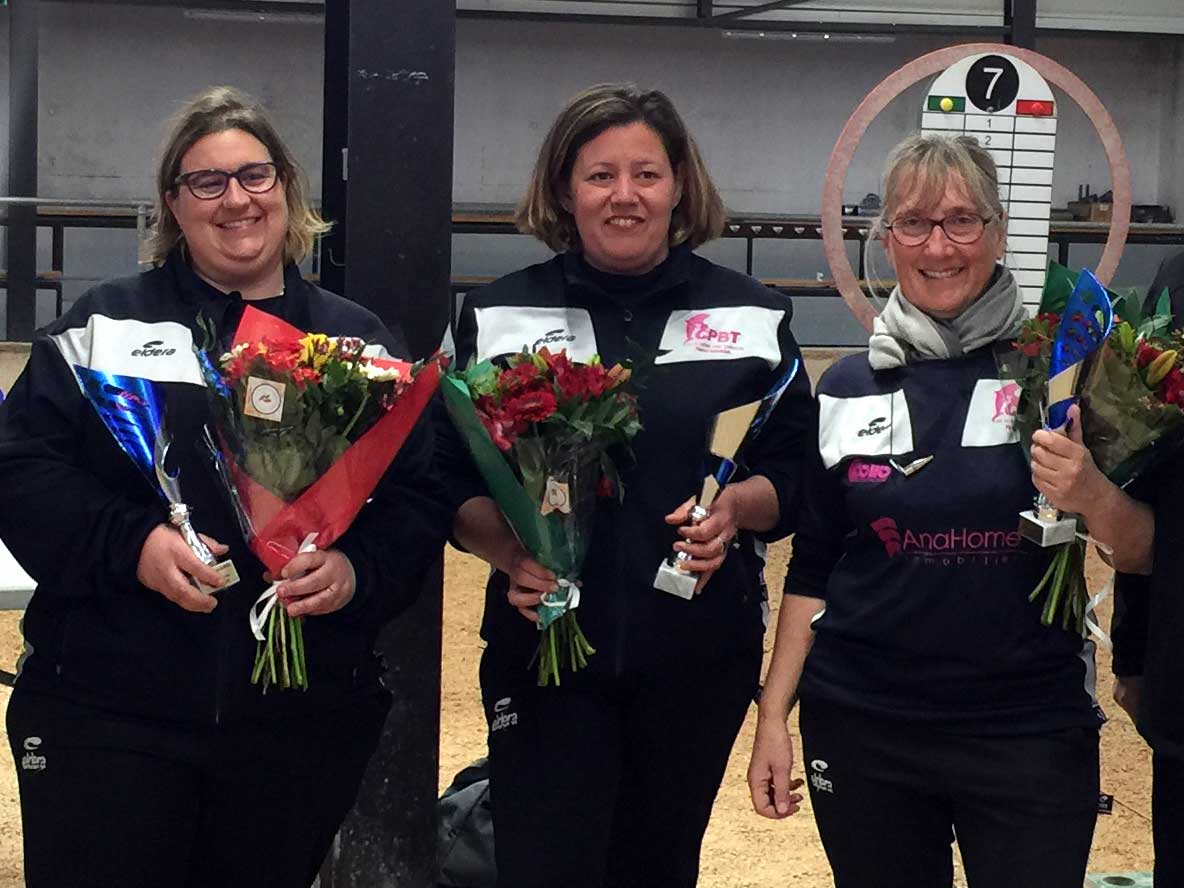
{"x":533,"y":405}
{"x":519,"y":377}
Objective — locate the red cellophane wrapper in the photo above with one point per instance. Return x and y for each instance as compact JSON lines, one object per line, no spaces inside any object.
{"x":287,"y":491}
{"x":330,"y":505}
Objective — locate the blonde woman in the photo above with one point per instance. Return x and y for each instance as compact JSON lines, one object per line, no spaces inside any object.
{"x":155,"y":761}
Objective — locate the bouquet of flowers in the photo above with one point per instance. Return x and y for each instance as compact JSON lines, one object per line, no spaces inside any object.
{"x":1131,"y":393}
{"x":539,"y":431}
{"x":304,"y":427}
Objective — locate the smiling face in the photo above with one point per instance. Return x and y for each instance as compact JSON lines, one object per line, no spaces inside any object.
{"x":236,"y":241}
{"x":621,"y":194}
{"x":940,"y":277}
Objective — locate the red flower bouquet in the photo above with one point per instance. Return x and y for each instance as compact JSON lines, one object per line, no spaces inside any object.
{"x":1131,"y":394}
{"x":539,"y":431}
{"x":304,"y":427}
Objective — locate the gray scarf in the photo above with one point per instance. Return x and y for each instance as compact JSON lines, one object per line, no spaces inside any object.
{"x":903,"y":334}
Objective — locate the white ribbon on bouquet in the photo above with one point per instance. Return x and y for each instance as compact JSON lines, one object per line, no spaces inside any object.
{"x":567,"y":596}
{"x":268,"y":600}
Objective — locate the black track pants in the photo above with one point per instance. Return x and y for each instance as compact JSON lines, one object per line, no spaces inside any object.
{"x":1167,"y":803}
{"x":890,"y":797}
{"x":108,"y":800}
{"x":610,"y":784}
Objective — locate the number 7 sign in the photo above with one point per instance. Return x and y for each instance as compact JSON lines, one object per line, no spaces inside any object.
{"x":1009,"y":108}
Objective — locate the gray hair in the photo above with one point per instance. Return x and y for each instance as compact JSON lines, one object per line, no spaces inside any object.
{"x":923,"y":164}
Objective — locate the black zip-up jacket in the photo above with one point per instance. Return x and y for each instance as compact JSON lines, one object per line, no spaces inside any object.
{"x":1148,"y":625}
{"x":702,"y":339}
{"x":925,"y":576}
{"x":75,"y":512}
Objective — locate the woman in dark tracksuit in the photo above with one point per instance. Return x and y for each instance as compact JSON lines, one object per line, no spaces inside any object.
{"x":144,"y":756}
{"x":609,"y":779}
{"x":933,"y":700}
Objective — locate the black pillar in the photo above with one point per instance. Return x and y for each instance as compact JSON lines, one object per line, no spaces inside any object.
{"x":397,"y":254}
{"x":333,"y":142}
{"x":1019,"y":20}
{"x":21,"y":232}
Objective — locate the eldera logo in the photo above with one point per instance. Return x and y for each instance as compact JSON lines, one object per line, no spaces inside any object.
{"x":501,"y":718}
{"x":558,"y":337}
{"x":876,"y":427}
{"x":820,"y":783}
{"x":153,"y":349}
{"x":31,"y":761}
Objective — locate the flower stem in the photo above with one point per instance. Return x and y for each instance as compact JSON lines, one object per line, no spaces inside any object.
{"x":357,"y":415}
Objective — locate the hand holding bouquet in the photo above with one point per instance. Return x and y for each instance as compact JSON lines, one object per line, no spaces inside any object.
{"x":305,"y":426}
{"x":1131,"y":395}
{"x":539,"y":431}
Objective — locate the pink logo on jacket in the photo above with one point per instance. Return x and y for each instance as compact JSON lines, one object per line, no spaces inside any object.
{"x":1007,"y":402}
{"x":699,"y":329}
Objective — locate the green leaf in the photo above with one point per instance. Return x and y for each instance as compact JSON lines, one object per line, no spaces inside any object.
{"x":1163,"y":305}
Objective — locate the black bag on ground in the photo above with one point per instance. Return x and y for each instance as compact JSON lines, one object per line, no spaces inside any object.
{"x":465,"y":831}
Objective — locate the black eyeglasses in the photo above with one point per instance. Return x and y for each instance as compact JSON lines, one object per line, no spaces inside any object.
{"x":257,"y":178}
{"x":961,"y":228}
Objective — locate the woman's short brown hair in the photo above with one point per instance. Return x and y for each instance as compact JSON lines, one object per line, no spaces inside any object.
{"x":922,"y":165}
{"x":699,"y":216}
{"x":215,"y":110}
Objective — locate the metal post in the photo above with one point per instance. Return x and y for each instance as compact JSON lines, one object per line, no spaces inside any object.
{"x":21,"y":232}
{"x":1019,"y":20}
{"x":400,"y":68}
{"x":333,"y":145}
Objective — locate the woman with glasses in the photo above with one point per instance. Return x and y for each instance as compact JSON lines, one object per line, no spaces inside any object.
{"x":934,"y":703}
{"x":144,"y":755}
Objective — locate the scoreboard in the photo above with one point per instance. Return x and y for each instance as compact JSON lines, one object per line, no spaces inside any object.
{"x":1005,"y":105}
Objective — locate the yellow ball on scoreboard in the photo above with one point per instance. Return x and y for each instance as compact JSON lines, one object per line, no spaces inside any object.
{"x":946,"y":104}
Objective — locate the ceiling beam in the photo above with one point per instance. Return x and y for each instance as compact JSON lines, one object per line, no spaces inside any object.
{"x":756,"y":10}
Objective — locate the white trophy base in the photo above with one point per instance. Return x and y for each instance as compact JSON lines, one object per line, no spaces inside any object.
{"x":1047,"y":533}
{"x":228,"y":573}
{"x":675,"y":581}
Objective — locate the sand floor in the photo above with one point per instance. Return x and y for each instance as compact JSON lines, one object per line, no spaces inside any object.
{"x":741,"y":850}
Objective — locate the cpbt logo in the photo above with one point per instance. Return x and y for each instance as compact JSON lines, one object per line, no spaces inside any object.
{"x":699,"y":329}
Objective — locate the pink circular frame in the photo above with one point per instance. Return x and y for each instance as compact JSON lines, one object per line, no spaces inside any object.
{"x":927,"y":66}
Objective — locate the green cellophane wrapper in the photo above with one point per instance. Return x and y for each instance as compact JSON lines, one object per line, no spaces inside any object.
{"x":559,"y":538}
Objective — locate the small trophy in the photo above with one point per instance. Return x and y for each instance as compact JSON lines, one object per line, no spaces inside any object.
{"x":729,"y":430}
{"x":132,"y":409}
{"x":1086,"y":322}
{"x":179,"y":517}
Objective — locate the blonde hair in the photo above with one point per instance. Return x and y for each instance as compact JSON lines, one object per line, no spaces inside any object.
{"x":699,"y":215}
{"x":923,"y":165}
{"x":215,"y":110}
